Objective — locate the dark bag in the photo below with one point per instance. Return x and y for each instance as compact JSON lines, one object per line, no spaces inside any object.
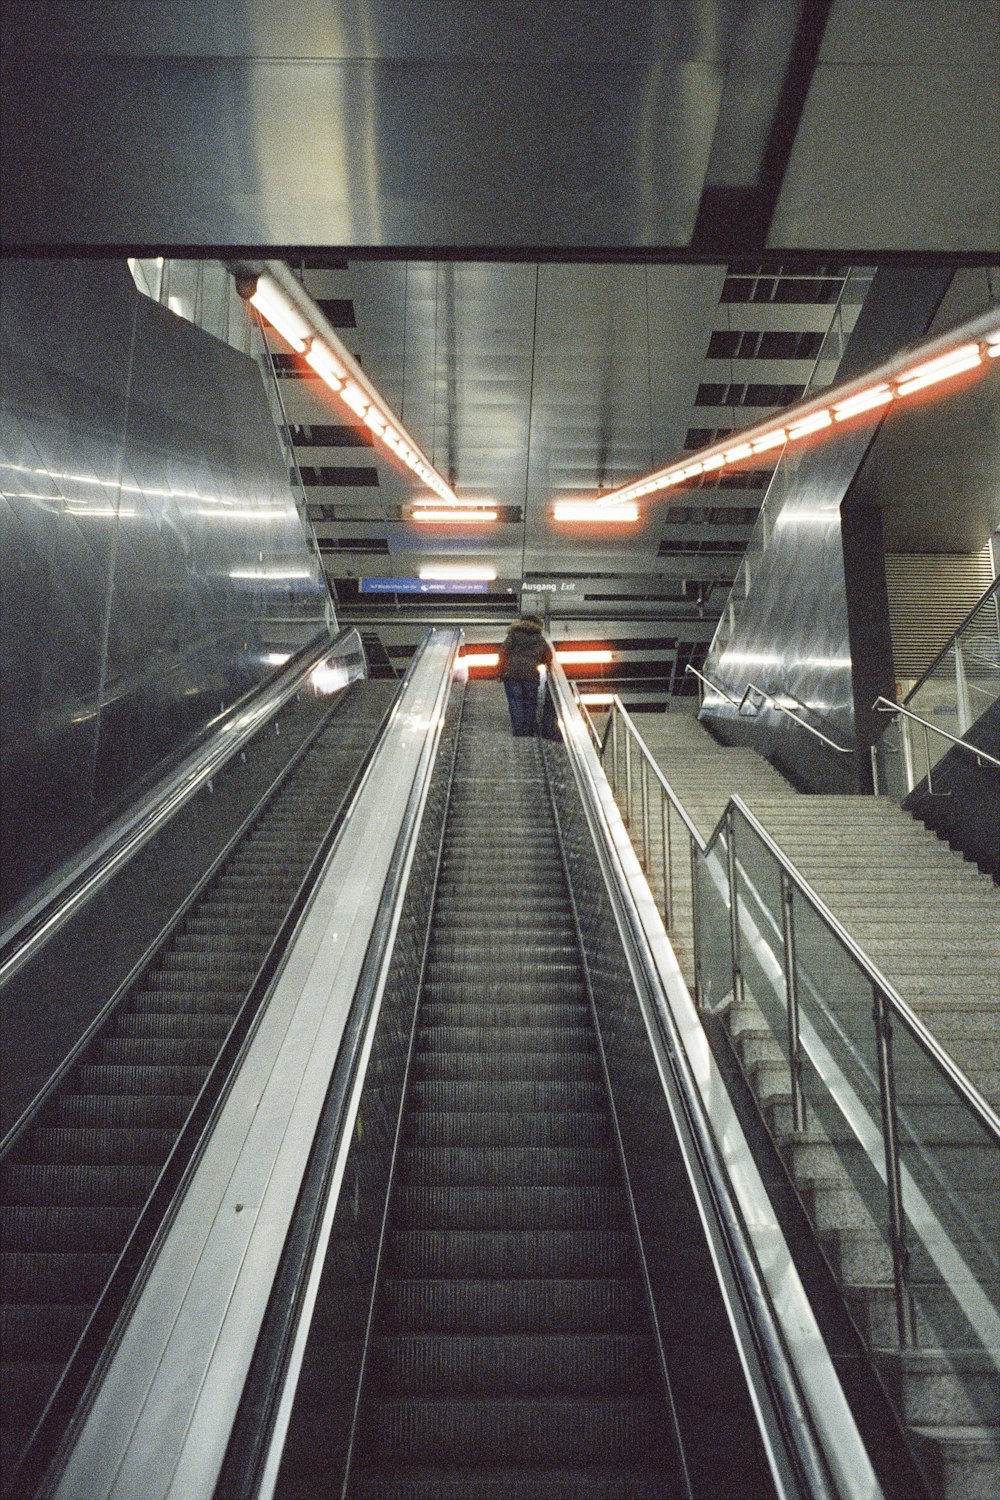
{"x":548,"y":726}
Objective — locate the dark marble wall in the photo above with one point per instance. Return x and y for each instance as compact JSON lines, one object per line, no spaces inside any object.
{"x":152,"y":561}
{"x":812,"y":627}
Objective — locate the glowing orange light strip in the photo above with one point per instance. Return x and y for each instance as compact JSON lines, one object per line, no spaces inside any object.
{"x":337,"y":368}
{"x":882,"y":389}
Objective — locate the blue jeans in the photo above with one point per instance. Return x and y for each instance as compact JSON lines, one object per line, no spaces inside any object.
{"x":522,"y":700}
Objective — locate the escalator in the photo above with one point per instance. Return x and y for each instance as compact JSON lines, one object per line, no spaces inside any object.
{"x":85,"y":1169}
{"x":513,"y":1349}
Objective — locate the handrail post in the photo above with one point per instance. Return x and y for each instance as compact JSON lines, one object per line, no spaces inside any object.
{"x":873,"y":752}
{"x":614,"y":746}
{"x":699,"y":994}
{"x":909,"y":770}
{"x":905,"y":1318}
{"x":644,"y":804}
{"x":792,"y":1003}
{"x":734,"y":919}
{"x":668,"y":863}
{"x":927,"y":755}
{"x":962,"y":690}
{"x":628,"y":778}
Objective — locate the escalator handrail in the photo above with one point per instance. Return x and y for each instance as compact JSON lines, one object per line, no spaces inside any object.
{"x":106,"y":855}
{"x":792,"y":1419}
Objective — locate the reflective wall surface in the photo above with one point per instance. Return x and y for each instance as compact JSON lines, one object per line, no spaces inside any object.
{"x":807,"y":621}
{"x":153,"y":564}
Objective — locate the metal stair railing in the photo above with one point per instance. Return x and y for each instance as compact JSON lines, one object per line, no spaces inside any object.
{"x":962,"y":681}
{"x":772,"y":702}
{"x":762,"y":934}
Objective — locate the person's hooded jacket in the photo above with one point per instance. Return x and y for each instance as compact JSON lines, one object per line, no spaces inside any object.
{"x":524,"y":651}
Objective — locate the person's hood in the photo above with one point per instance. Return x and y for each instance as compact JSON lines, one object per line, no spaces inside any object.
{"x":527,"y":625}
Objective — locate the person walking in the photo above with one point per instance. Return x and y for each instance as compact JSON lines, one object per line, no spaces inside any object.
{"x":524,"y":650}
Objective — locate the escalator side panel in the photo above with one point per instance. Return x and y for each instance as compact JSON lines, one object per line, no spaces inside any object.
{"x":75,"y":1182}
{"x":52,"y":1000}
{"x":722,"y":1447}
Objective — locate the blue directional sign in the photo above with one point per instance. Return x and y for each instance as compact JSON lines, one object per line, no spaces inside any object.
{"x":423,"y":586}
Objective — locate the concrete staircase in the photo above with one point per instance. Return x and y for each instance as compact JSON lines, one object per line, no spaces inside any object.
{"x":931,"y":924}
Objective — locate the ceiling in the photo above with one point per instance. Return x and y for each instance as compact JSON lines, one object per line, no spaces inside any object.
{"x":529,"y":383}
{"x":565,"y":240}
{"x":714,"y":127}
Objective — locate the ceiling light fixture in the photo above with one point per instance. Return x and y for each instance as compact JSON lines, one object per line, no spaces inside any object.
{"x":279,"y":299}
{"x":878,"y":395}
{"x":454,"y":516}
{"x":894,"y":381}
{"x":597,"y":700}
{"x":481,"y":658}
{"x":586,"y":510}
{"x":966,"y":357}
{"x":457,"y":572}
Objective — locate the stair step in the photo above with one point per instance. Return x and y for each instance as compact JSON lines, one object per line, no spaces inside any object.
{"x":506,"y":1208}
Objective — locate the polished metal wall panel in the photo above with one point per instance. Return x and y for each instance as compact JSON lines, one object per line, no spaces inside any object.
{"x":813,"y":625}
{"x":153,"y":563}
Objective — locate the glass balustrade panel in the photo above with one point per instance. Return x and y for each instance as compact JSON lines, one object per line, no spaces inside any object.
{"x":950,"y":1177}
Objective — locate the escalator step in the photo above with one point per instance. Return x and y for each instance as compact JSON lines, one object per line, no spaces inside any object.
{"x":511,"y":968}
{"x":75,"y":1185}
{"x":133,"y":1146}
{"x":122,"y":1111}
{"x":522,"y":991}
{"x":409,"y":1483}
{"x":521,"y":1066}
{"x":158,"y":1051}
{"x":101,"y":1229}
{"x":166,"y":1024}
{"x":488,"y":1128}
{"x":31,"y":1338}
{"x":40,"y":1279}
{"x":503,"y":1208}
{"x":547,"y":1305}
{"x":524,"y":1431}
{"x":513,"y":1364}
{"x":503,"y":1097}
{"x":533,"y":1252}
{"x":110,"y":1079}
{"x":452,"y":1013}
{"x":190,"y":986}
{"x":495,"y":1166}
{"x":540,"y":952}
{"x":508,"y":1039}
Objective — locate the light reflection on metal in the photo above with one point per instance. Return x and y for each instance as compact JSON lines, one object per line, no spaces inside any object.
{"x":893,"y":382}
{"x":270,"y":574}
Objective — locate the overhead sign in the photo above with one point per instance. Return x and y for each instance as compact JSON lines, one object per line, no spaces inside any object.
{"x":423,"y":586}
{"x":549,"y":585}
